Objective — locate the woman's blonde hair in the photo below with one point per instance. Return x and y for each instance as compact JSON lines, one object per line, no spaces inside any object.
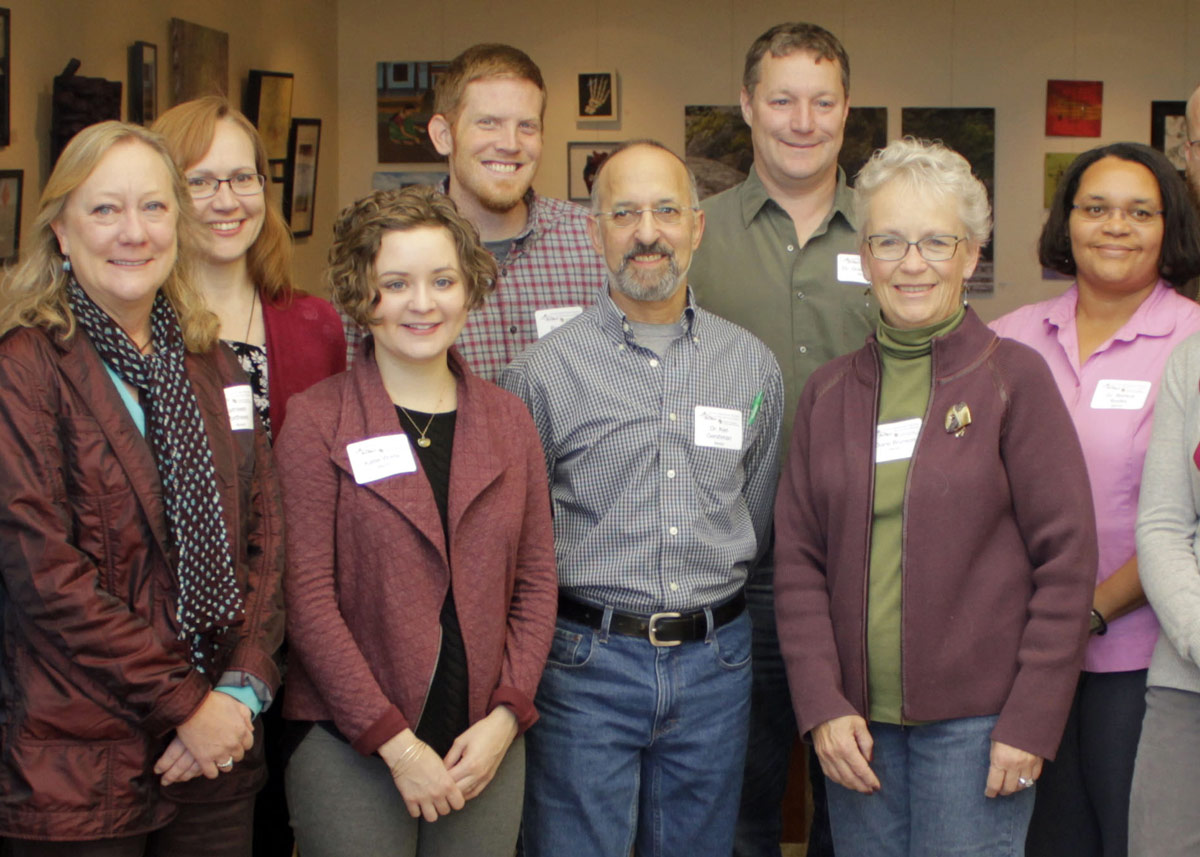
{"x":189,"y":129}
{"x":34,"y":294}
{"x":359,"y":231}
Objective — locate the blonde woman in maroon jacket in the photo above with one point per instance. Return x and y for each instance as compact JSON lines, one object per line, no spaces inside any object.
{"x":421,"y":587}
{"x":140,"y":529}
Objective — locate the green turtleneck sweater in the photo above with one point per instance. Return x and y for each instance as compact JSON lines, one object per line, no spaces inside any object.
{"x":905,"y":385}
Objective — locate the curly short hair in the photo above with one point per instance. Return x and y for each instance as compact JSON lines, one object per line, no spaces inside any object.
{"x":926,"y":166}
{"x":34,"y":294}
{"x":358,"y":233}
{"x":480,"y":62}
{"x":1179,"y":258}
{"x":786,"y":39}
{"x":188,"y":129}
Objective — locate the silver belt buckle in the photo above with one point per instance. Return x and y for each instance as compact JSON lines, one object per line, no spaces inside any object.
{"x":653,"y":633}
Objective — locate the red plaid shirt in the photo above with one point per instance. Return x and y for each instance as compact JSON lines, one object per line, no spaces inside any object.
{"x":551,"y":264}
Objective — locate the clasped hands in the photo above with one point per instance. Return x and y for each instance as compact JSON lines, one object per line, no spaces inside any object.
{"x":845,"y":747}
{"x":432,"y":787}
{"x":219,"y":731}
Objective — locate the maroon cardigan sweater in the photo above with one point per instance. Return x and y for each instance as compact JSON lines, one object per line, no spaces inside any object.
{"x":305,"y":343}
{"x":999,"y":544}
{"x":368,"y":570}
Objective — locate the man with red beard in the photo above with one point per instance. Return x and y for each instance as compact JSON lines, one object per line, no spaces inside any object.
{"x":781,"y":259}
{"x":660,"y":424}
{"x":488,"y":110}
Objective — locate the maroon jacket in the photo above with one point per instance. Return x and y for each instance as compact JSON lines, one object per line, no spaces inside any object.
{"x":368,"y":569}
{"x":93,"y":677}
{"x":999,"y":544}
{"x":305,"y":343}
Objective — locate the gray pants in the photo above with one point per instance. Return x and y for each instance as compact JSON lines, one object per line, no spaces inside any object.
{"x":342,"y":803}
{"x":1163,"y":817}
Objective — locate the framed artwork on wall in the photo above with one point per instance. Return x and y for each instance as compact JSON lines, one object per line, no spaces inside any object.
{"x":1074,"y":108}
{"x":403,"y":105}
{"x":1168,"y":131}
{"x":5,"y":22}
{"x":583,"y":160}
{"x":143,"y":83}
{"x":199,"y":61}
{"x":268,"y":105}
{"x":300,"y":188}
{"x":11,"y":183}
{"x":598,"y":98}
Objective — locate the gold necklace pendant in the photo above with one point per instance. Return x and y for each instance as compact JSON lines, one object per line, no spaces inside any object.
{"x":423,"y":442}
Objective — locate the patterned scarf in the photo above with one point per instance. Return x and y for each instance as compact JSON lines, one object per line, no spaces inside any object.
{"x":208,"y":591}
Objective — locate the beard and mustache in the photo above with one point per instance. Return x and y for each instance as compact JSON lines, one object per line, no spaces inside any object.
{"x":647,"y":286}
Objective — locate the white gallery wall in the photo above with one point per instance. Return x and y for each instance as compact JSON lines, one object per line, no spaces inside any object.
{"x":903,"y":53}
{"x":276,"y":35}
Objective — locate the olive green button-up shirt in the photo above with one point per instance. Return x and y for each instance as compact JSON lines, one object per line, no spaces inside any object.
{"x":751,"y":269}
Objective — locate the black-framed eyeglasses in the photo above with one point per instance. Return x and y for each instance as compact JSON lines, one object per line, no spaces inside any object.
{"x":243,"y":184}
{"x":934,"y":248}
{"x":664,"y":215}
{"x":1133,"y":213}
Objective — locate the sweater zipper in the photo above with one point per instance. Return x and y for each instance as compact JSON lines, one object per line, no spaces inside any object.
{"x":904,"y":522}
{"x":870,"y":515}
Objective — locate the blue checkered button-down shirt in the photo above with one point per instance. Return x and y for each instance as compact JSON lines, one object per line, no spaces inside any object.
{"x":645,"y":519}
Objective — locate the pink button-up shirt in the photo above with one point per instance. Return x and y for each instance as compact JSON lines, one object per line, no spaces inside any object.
{"x":1113,"y":421}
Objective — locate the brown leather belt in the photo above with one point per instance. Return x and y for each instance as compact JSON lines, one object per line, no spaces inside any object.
{"x":661,"y":629}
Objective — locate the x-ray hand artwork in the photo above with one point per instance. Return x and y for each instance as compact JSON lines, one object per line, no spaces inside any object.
{"x":598,"y":92}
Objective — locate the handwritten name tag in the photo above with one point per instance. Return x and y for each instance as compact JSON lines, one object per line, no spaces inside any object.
{"x":239,"y":401}
{"x":380,"y":457}
{"x":849,"y":269}
{"x":548,"y":319}
{"x":1113,"y":395}
{"x":896,"y":441}
{"x":718,"y":428}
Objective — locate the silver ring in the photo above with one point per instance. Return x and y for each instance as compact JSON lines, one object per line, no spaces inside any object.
{"x":1024,"y":783}
{"x":226,"y":765}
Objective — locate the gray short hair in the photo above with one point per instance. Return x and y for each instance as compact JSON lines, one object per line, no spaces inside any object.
{"x":928,"y":166}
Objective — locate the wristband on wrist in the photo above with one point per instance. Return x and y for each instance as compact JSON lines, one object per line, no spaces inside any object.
{"x":1099,"y":625}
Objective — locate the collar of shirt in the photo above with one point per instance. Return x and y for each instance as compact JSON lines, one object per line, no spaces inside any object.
{"x":754,"y":196}
{"x":615,"y":324}
{"x":1153,"y":318}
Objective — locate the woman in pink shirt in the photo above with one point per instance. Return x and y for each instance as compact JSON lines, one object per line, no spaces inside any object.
{"x":1122,"y":224}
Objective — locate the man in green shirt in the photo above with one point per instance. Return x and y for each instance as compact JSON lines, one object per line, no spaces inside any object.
{"x":780,"y":258}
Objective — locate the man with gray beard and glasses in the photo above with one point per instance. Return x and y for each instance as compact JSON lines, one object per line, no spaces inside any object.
{"x":660,"y":424}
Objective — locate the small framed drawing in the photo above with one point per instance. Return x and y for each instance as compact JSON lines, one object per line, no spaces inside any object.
{"x":1168,"y":131}
{"x":583,"y":161}
{"x":300,"y":187}
{"x":143,"y":83}
{"x":11,"y":182}
{"x":598,"y":96}
{"x":269,"y":106}
{"x":5,"y":67}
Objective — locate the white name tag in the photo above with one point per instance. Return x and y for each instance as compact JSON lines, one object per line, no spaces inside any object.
{"x":719,"y":428}
{"x":239,"y":401}
{"x":548,"y":319}
{"x":849,"y":269}
{"x":1113,"y":395}
{"x":896,"y":441}
{"x":380,"y":457}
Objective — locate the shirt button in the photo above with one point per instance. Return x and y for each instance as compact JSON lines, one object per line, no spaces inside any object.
{"x":673,"y":531}
{"x":670,"y":474}
{"x":653,"y":362}
{"x":512,"y":329}
{"x":625,"y":327}
{"x":800,"y":295}
{"x":791,"y":248}
{"x":672,"y":418}
{"x":674,"y":586}
{"x":803,"y":349}
{"x":621,"y":347}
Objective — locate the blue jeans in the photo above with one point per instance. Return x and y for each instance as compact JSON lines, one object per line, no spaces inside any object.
{"x":637,"y":745}
{"x":930,"y":802}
